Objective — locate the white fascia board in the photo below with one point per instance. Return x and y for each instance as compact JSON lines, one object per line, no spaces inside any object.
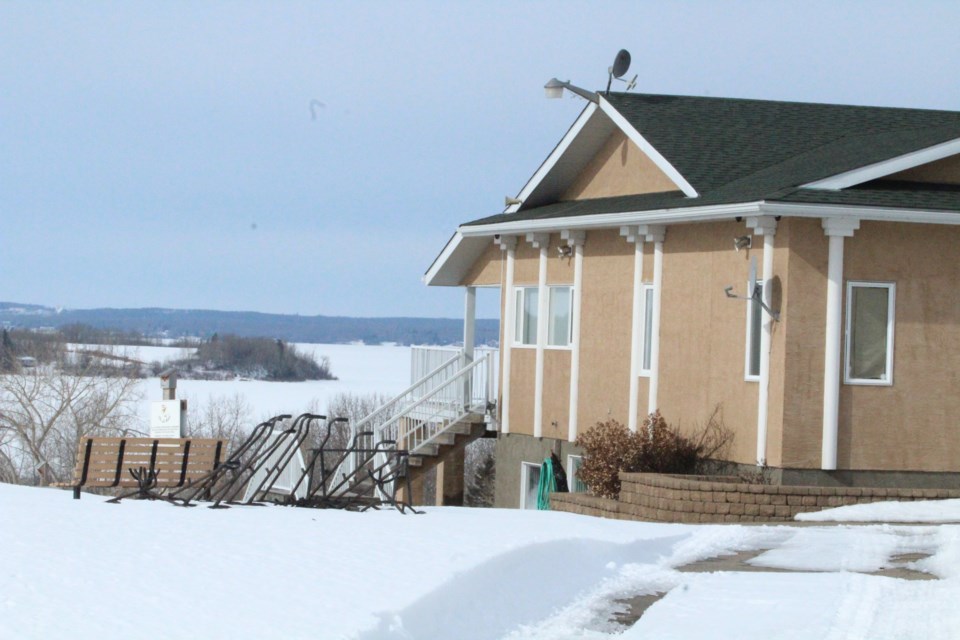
{"x":618,"y":219}
{"x":554,"y":156}
{"x":430,"y":276}
{"x":877,"y":214}
{"x":886,"y":167}
{"x":662,"y":163}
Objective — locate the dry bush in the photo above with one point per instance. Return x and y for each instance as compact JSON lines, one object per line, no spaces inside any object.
{"x":657,"y":447}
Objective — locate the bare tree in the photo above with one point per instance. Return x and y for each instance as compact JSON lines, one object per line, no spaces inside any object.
{"x":222,"y":417}
{"x":44,"y":413}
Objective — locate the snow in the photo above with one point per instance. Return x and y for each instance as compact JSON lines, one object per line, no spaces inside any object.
{"x":360,"y":369}
{"x":87,"y":569}
{"x":920,"y":511}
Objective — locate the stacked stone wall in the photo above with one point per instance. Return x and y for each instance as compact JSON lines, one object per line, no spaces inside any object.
{"x":706,"y":499}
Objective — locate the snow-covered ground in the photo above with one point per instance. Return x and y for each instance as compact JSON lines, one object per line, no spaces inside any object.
{"x":86,"y":569}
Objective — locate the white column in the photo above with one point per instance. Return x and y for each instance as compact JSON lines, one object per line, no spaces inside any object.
{"x":575,"y":239}
{"x":767,"y":227}
{"x":469,"y":337}
{"x":836,"y":230}
{"x":656,"y":236}
{"x":540,"y":241}
{"x":509,"y":322}
{"x":632,"y":234}
{"x":469,"y":322}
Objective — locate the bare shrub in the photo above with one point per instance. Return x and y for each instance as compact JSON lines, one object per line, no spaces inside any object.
{"x":657,"y":447}
{"x":229,"y":418}
{"x":480,"y":471}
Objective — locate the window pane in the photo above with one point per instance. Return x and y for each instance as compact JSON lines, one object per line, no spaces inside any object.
{"x":532,"y":486}
{"x":647,"y":326}
{"x":756,"y":328}
{"x":576,"y":484}
{"x":518,"y":312}
{"x":559,"y":333}
{"x":868,"y":332}
{"x":530,"y":316}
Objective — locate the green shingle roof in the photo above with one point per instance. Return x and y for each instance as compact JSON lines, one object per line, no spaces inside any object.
{"x":734,"y":150}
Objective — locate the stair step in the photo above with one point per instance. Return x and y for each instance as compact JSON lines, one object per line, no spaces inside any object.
{"x":415,"y":461}
{"x":446,"y":438}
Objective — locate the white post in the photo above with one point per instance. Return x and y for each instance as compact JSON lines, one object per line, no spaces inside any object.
{"x":540,"y":241}
{"x":469,"y":337}
{"x":655,"y":235}
{"x":508,"y":322}
{"x":836,"y":230}
{"x":767,"y":227}
{"x":631,"y":233}
{"x":575,"y":239}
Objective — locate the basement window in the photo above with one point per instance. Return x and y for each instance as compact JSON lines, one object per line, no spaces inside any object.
{"x":575,"y":484}
{"x":869,"y":333}
{"x":529,"y":485}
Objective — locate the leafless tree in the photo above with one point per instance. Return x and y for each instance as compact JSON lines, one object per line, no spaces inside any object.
{"x":222,"y":417}
{"x":44,"y":413}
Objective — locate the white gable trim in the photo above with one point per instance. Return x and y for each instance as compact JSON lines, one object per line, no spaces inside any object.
{"x":554,"y":156}
{"x":430,"y":276}
{"x":648,"y":149}
{"x":886,"y":167}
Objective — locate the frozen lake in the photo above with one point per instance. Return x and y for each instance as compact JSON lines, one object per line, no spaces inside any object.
{"x":360,"y":369}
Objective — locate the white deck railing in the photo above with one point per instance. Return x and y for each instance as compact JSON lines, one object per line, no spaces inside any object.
{"x":443,"y":396}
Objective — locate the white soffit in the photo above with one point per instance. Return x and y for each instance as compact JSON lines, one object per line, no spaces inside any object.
{"x":662,"y":163}
{"x":456,"y":259}
{"x":887,"y":167}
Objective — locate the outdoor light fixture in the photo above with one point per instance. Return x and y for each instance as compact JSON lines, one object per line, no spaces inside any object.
{"x":554,"y":88}
{"x":743,"y":242}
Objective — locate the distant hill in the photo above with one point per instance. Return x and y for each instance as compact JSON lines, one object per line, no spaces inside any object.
{"x":174,"y":323}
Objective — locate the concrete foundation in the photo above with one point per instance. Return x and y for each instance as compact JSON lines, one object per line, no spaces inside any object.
{"x":513,"y":449}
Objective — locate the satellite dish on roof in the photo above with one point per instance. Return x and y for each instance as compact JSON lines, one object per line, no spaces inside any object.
{"x":621,"y":64}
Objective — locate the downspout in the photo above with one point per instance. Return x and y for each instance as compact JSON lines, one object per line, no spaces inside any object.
{"x":767,"y":227}
{"x":836,"y":230}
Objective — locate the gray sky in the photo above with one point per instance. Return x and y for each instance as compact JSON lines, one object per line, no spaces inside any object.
{"x":165,"y":154}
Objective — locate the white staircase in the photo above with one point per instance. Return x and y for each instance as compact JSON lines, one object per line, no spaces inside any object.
{"x":450,"y":399}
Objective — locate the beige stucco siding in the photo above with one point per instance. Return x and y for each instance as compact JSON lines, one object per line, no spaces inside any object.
{"x":607,"y":304}
{"x":522,"y":383}
{"x":488,"y":269}
{"x":703,"y":332}
{"x":620,"y":168}
{"x":914,"y":423}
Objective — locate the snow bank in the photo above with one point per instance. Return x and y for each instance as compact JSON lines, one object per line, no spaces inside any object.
{"x":919,"y":511}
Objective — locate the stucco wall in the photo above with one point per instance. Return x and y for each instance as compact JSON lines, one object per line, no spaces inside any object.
{"x":703,"y":333}
{"x":488,"y":269}
{"x":619,"y":168}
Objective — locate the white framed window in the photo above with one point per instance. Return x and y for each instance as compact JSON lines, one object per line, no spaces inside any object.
{"x":529,"y":484}
{"x":573,"y":483}
{"x":559,"y":316}
{"x":751,"y":363}
{"x":868,"y":349}
{"x":646,"y":291}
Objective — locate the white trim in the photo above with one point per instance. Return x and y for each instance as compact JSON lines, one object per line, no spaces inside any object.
{"x":543,"y":310}
{"x":887,"y":167}
{"x":525,"y":480}
{"x":646,"y":332}
{"x":654,"y":384}
{"x":887,"y":379}
{"x":576,"y":239}
{"x":662,"y":163}
{"x":635,"y":331}
{"x":544,"y":170}
{"x":440,"y":260}
{"x":572,"y":474}
{"x":508,"y":323}
{"x":763,"y":391}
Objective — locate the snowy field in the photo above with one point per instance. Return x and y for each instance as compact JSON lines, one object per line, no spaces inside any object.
{"x":360,"y":369}
{"x":86,"y":569}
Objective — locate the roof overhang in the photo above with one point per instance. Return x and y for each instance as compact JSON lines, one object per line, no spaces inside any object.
{"x":469,"y":242}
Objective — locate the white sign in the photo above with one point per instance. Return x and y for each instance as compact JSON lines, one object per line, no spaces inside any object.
{"x":166,"y":419}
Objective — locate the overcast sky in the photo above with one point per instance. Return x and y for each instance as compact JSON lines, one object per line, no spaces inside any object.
{"x":167,"y":155}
